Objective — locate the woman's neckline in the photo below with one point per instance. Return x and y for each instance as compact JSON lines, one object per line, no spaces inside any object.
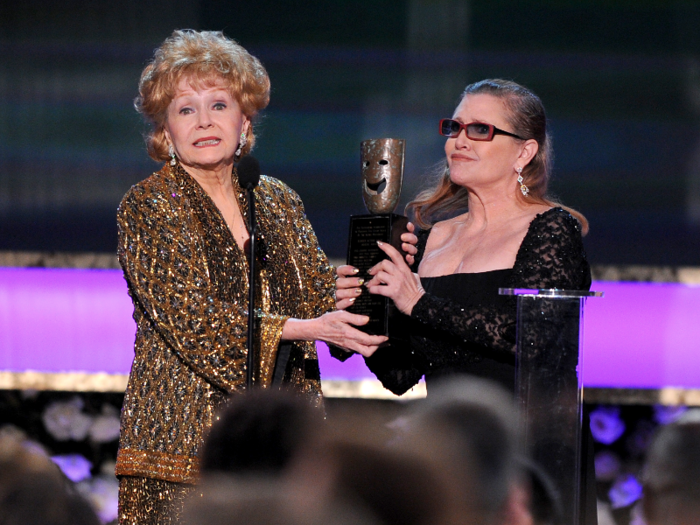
{"x":527,"y":233}
{"x":469,"y":273}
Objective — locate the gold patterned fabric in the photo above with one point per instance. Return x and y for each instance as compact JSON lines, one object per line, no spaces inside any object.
{"x":146,"y":501}
{"x":188,"y":280}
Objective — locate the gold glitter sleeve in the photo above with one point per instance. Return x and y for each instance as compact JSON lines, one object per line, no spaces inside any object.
{"x":316,"y":273}
{"x":162,"y":256}
{"x":270,"y":335}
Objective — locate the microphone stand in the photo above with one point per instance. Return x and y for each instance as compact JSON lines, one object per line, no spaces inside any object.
{"x":251,"y":285}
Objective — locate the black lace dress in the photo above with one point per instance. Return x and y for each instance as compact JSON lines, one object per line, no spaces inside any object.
{"x":462,"y":325}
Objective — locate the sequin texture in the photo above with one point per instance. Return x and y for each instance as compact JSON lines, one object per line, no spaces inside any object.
{"x":151,"y":501}
{"x":188,"y":280}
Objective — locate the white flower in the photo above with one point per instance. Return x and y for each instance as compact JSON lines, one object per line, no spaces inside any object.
{"x":664,"y":415}
{"x":28,"y":393}
{"x":108,"y":467}
{"x":103,"y":493}
{"x":606,"y":425}
{"x":625,"y":491}
{"x":65,"y":420}
{"x":637,"y":515}
{"x":607,"y":465}
{"x":74,"y":466}
{"x":105,"y":427}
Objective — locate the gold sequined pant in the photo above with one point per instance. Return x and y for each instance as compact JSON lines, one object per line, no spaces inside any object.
{"x":145,"y":501}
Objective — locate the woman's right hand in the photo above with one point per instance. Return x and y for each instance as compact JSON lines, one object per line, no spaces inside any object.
{"x":335,"y":328}
{"x":408,"y":243}
{"x":348,"y":284}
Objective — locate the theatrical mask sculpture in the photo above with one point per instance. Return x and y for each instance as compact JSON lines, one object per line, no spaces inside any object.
{"x":382,"y":174}
{"x":382,"y":162}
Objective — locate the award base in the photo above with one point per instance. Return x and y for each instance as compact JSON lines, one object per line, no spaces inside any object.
{"x":363,"y":254}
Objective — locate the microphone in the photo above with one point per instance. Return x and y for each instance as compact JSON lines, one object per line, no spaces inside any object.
{"x":248,"y":172}
{"x":248,"y":177}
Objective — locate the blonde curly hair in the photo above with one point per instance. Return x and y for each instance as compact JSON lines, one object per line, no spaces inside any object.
{"x":205,"y":58}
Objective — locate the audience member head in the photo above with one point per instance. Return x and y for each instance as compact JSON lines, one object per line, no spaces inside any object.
{"x":672,"y":473}
{"x":33,"y":491}
{"x":455,"y":463}
{"x":225,"y":500}
{"x":260,"y":433}
{"x":401,"y":485}
{"x":479,"y":419}
{"x":355,"y":466}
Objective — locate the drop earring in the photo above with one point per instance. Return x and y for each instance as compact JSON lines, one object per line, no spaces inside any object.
{"x":171,"y":152}
{"x":241,"y":143}
{"x":524,"y":189}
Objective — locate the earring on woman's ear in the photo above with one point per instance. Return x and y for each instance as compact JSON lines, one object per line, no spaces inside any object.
{"x":524,"y":189}
{"x":241,"y":143}
{"x":171,"y":152}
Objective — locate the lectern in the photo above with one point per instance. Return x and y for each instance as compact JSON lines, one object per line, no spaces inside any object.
{"x":549,"y":384}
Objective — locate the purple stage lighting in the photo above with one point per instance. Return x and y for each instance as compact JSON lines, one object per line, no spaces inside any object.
{"x":640,"y":335}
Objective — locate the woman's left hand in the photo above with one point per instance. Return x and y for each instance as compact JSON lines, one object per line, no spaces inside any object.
{"x":393,"y":278}
{"x":347,"y":286}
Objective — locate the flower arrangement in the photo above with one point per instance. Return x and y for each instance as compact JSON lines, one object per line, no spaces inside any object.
{"x":621,"y":437}
{"x":78,"y":431}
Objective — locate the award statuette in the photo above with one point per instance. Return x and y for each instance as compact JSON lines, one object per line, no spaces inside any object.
{"x":382,"y":176}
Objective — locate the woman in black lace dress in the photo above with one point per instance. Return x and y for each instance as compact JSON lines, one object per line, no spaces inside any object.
{"x":504,"y":232}
{"x":512,"y":236}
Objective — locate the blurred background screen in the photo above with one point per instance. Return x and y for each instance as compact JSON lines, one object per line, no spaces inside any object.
{"x":620,"y":81}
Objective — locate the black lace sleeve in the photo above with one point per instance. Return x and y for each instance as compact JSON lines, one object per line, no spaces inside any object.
{"x":550,"y":256}
{"x":397,"y":366}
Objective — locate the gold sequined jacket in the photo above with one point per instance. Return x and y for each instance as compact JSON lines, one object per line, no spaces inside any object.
{"x":188,"y":281}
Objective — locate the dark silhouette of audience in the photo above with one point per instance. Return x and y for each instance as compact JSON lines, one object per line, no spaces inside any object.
{"x":478,"y":417}
{"x":260,"y":433}
{"x":671,"y":478}
{"x":545,"y":501}
{"x":33,"y":490}
{"x":271,"y":458}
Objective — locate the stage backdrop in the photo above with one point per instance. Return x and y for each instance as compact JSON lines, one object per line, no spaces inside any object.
{"x":640,"y":335}
{"x":620,"y":80}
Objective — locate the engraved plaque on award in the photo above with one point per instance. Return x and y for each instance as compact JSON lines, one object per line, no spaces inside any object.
{"x":382,"y":176}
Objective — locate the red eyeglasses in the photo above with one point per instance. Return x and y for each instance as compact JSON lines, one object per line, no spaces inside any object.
{"x":475,"y":130}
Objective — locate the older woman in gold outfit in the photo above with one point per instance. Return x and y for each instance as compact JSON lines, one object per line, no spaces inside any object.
{"x":182,"y":246}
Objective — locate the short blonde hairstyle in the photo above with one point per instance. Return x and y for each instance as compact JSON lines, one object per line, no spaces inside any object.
{"x":204,"y":58}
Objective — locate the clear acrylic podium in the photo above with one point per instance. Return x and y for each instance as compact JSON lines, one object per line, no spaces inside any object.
{"x":549,"y":384}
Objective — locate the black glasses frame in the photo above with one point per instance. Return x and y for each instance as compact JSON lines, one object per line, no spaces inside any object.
{"x":493,"y":130}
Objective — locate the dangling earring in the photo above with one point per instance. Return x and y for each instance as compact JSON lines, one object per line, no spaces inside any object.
{"x":524,"y":189}
{"x":171,"y":152}
{"x":241,"y":143}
